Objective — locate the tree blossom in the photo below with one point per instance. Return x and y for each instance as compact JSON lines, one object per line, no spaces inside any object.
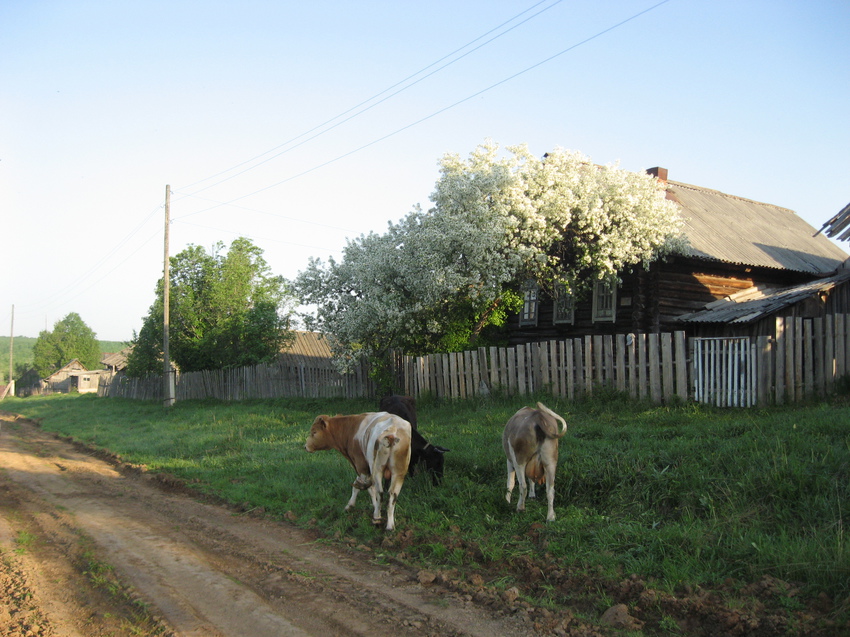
{"x":435,"y":279}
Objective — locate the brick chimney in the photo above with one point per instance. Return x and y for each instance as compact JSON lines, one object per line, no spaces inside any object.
{"x":660,"y":173}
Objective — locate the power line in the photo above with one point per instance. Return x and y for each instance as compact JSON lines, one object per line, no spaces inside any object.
{"x":435,"y":113}
{"x":53,"y":300}
{"x":262,"y":212}
{"x":371,"y":99}
{"x":256,"y":238}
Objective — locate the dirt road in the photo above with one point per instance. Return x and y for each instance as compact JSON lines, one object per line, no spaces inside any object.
{"x":88,"y":547}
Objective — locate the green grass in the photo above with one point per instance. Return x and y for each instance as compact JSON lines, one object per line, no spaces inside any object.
{"x":680,"y":495}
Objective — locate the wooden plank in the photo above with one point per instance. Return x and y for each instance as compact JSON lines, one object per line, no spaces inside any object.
{"x":631,"y":347}
{"x":511,"y":354}
{"x":588,"y":366}
{"x":809,"y":362}
{"x":580,"y":383}
{"x":598,"y":361}
{"x":545,"y":383}
{"x":654,"y":368}
{"x":608,"y":359}
{"x":460,"y":366}
{"x":667,"y":385}
{"x":494,"y":368}
{"x":565,"y":358}
{"x":521,"y":375}
{"x":840,"y":348}
{"x":439,"y":377}
{"x":554,"y":368}
{"x":569,"y":386}
{"x":818,"y":352}
{"x":847,"y":341}
{"x":643,"y":383}
{"x":680,"y":351}
{"x":454,"y":376}
{"x":779,"y":361}
{"x":483,"y":372}
{"x":790,"y":348}
{"x":798,"y":359}
{"x":763,"y":382}
{"x":829,"y":352}
{"x":620,"y":363}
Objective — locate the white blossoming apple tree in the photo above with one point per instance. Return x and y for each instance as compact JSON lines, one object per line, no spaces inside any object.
{"x":435,"y":280}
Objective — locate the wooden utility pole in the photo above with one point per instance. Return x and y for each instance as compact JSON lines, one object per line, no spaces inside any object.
{"x":10,"y":387}
{"x":167,"y":372}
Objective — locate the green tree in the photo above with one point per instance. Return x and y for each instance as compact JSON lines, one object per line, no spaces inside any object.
{"x":226,"y":310}
{"x":71,"y":338}
{"x":437,"y":280}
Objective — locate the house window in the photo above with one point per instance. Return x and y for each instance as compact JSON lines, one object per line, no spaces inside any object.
{"x":530,"y":304}
{"x":604,"y":301}
{"x":565,"y":309}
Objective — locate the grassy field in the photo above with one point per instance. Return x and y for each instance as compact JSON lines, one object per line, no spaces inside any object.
{"x":682,"y":495}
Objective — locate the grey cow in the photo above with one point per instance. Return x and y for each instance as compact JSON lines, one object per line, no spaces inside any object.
{"x":530,"y":441}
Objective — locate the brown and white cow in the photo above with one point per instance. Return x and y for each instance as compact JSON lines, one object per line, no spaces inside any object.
{"x":530,"y":441}
{"x":378,"y":447}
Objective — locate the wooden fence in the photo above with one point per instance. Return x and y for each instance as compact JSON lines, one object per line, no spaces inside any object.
{"x":804,"y":359}
{"x":278,"y":380}
{"x":653,"y":366}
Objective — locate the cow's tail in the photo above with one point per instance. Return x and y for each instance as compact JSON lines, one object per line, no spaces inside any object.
{"x":556,"y":433}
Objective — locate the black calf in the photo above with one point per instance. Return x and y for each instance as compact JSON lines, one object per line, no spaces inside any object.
{"x":421,"y":451}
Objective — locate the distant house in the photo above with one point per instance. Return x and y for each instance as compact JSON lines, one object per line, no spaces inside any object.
{"x":117,"y":361}
{"x":308,"y":348}
{"x":739,"y":251}
{"x":74,"y":377}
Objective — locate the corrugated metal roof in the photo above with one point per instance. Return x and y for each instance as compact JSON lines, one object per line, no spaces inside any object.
{"x":118,"y":360}
{"x":756,"y":303}
{"x":309,"y":344}
{"x":735,"y":230}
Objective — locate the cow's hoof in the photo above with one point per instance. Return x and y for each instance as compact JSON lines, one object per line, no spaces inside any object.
{"x":377,"y":521}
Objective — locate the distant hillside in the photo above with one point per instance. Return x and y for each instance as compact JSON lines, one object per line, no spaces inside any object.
{"x":23,"y":353}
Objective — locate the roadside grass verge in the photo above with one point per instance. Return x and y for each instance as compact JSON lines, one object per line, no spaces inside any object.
{"x":682,"y":495}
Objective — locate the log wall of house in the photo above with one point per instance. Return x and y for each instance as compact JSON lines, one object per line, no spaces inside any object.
{"x":650,"y":301}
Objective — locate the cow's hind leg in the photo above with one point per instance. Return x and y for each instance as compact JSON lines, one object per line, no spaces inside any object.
{"x":550,"y":491}
{"x":375,"y":494}
{"x":523,"y":488}
{"x":511,"y":479}
{"x":395,"y":489}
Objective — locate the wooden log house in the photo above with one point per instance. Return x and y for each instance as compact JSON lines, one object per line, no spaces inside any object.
{"x":762,"y":258}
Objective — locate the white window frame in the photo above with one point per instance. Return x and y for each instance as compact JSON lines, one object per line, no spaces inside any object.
{"x":605,"y":301}
{"x":530,"y":304}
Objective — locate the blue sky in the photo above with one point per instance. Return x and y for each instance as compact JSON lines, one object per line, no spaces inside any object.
{"x":300,"y":125}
